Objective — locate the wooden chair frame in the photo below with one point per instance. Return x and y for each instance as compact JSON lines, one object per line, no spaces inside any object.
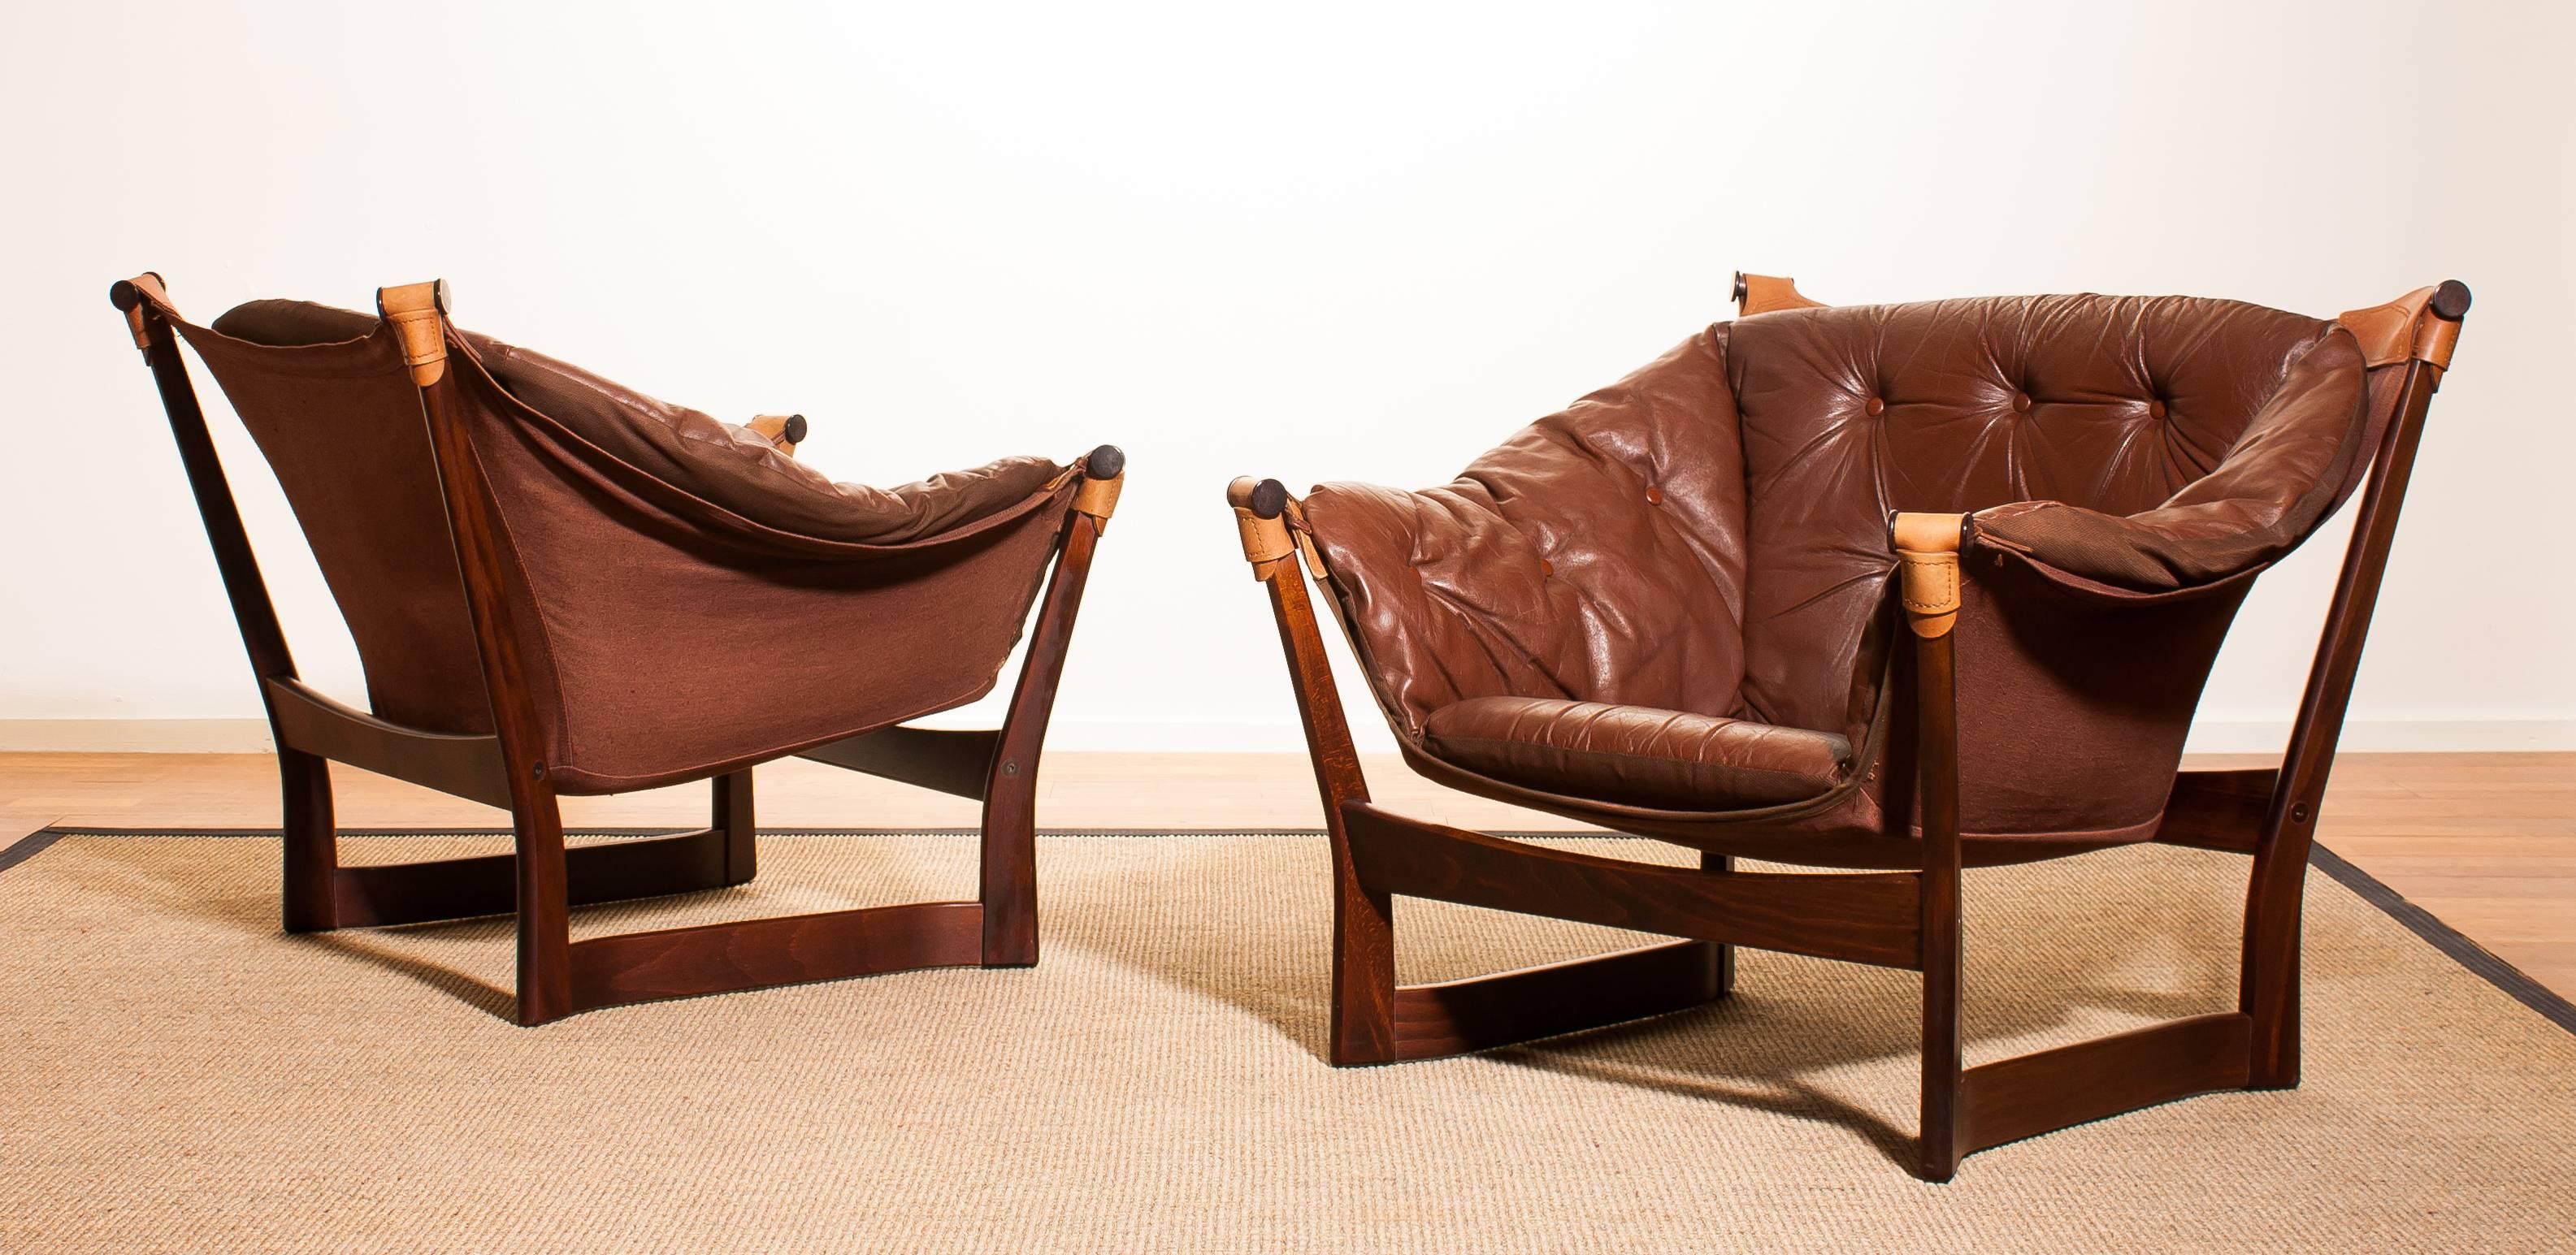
{"x":1902,"y":919}
{"x":542,"y":879}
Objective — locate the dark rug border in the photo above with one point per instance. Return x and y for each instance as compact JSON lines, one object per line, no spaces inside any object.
{"x":2477,"y":959}
{"x":2469,"y":954}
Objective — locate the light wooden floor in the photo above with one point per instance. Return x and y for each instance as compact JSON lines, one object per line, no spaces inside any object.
{"x":2487,"y":842}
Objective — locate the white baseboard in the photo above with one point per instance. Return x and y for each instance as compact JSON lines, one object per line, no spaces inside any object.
{"x":250,"y":736}
{"x":2390,"y":736}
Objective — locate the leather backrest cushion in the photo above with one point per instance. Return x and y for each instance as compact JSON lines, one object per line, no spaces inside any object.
{"x":2110,"y":403}
{"x":1597,"y":556}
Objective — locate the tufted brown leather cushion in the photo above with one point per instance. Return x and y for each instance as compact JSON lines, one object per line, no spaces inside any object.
{"x":729,"y":466}
{"x":1709,"y":537}
{"x":1659,"y":758}
{"x":2109,"y":405}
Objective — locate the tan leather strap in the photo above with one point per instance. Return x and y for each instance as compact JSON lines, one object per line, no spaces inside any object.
{"x":1305,"y":537}
{"x":2403,"y":328}
{"x":785,"y":431}
{"x":418,"y":314}
{"x":1099,"y":497}
{"x":1927,"y":556}
{"x":149,"y":288}
{"x":1265,"y":541}
{"x":2435,"y":339}
{"x":1761,"y":294}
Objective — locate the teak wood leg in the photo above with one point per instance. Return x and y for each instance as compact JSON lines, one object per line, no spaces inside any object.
{"x":311,"y":854}
{"x":1364,"y":992}
{"x":1937,"y":779}
{"x":733,"y":817}
{"x":2268,"y":986}
{"x":1008,"y":887}
{"x":1711,"y":861}
{"x":545,"y":919}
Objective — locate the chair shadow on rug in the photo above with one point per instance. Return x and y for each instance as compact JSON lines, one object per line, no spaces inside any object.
{"x":2033,"y":995}
{"x":249,"y":905}
{"x":2050,"y":969}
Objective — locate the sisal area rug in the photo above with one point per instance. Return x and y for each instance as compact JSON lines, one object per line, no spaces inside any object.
{"x":182,"y":1076}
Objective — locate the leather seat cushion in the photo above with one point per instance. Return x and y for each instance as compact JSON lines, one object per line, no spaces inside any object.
{"x":1636,"y":755}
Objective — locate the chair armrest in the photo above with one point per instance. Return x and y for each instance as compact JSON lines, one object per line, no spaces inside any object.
{"x":2268,"y":492}
{"x":2072,"y":697}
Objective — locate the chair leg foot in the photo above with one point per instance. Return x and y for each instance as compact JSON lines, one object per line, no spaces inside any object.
{"x":1941,"y":1143}
{"x":1010,"y":881}
{"x":1364,"y":993}
{"x":1938,"y":1143}
{"x":311,"y":853}
{"x":545,"y":913}
{"x":1483,"y":1012}
{"x":734,"y":818}
{"x":2268,"y":983}
{"x":1723,"y":960}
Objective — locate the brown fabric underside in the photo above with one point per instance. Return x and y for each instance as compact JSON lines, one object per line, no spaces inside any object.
{"x":644,"y":546}
{"x":635,"y":594}
{"x":341,"y":426}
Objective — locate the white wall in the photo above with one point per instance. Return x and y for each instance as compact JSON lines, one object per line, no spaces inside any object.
{"x":1360,"y":242}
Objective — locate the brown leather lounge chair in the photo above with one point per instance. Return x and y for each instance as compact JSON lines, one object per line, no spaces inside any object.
{"x":1689,"y":608}
{"x":558,"y":586}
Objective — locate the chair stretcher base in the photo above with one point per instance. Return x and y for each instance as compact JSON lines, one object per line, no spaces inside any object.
{"x":1482,"y":1012}
{"x":462,"y":888}
{"x":1866,"y":918}
{"x":675,"y":962}
{"x":682,"y":962}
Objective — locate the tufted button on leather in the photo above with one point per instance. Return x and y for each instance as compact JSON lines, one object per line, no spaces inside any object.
{"x":1546,"y":568}
{"x":2021,"y":403}
{"x":1874,"y":407}
{"x":2155,"y":409}
{"x":1654,"y":495}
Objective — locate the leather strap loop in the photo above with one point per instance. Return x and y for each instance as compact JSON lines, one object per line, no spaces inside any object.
{"x":783,"y":431}
{"x":1761,"y":294}
{"x":1099,"y":497}
{"x":2435,"y":340}
{"x":2403,"y":328}
{"x":1305,"y":538}
{"x":418,"y":314}
{"x":1927,"y":555}
{"x":132,"y":295}
{"x":1265,"y":541}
